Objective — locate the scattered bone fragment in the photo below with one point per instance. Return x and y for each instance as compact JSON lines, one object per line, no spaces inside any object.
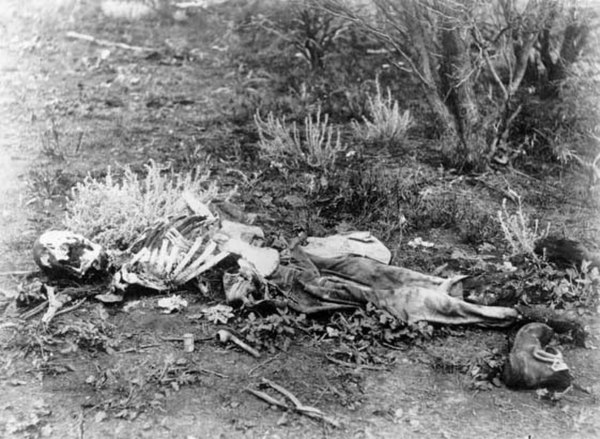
{"x":55,"y":302}
{"x":226,"y":336}
{"x":172,"y":304}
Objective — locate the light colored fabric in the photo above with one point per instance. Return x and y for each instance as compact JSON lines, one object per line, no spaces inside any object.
{"x":348,"y":244}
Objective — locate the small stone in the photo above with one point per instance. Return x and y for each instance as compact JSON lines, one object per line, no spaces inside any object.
{"x":46,"y":431}
{"x":100,"y":416}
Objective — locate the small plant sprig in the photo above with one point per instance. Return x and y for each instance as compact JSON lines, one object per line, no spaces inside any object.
{"x":60,"y":145}
{"x":518,"y":232}
{"x":387,"y":123}
{"x":317,"y":146}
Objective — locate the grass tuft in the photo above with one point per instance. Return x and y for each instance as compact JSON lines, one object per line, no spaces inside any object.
{"x":517,"y":229}
{"x":387,"y":123}
{"x":316,"y":146}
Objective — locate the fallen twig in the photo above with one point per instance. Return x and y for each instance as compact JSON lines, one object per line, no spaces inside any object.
{"x":260,"y":365}
{"x":34,"y":311}
{"x":144,"y":346}
{"x":267,"y":398}
{"x":305,"y":410}
{"x":390,"y":346}
{"x":71,"y":308}
{"x":211,"y":372}
{"x":298,"y":406}
{"x":354,"y":365}
{"x":17,"y":273}
{"x":81,"y":424}
{"x":181,"y":339}
{"x":106,"y":43}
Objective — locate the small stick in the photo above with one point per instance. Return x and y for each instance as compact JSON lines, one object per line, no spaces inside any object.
{"x":353,"y":365}
{"x":71,"y":308}
{"x":80,"y":424}
{"x":34,"y":311}
{"x":101,"y":42}
{"x":311,"y":412}
{"x":17,"y":273}
{"x":268,"y":398}
{"x":211,"y":372}
{"x":144,"y":346}
{"x":260,"y":365}
{"x":290,"y":395}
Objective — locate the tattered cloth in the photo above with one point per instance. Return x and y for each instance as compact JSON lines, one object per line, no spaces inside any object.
{"x":174,"y":253}
{"x":312,"y":284}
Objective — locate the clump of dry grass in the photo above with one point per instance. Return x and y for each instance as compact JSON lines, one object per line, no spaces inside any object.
{"x":316,"y":146}
{"x":387,"y":123}
{"x":518,"y":231}
{"x":113,"y":212}
{"x":60,"y":144}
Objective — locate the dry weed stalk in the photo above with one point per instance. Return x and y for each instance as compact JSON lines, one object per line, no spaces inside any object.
{"x":114,"y":212}
{"x":388,"y":123}
{"x":317,"y":146}
{"x":517,"y":230}
{"x":59,"y":144}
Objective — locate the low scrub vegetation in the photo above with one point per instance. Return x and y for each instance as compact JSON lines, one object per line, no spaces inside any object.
{"x":114,"y":211}
{"x":520,"y":232}
{"x":386,"y":122}
{"x":316,"y":145}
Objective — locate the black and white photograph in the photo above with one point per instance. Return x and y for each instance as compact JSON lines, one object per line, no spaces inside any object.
{"x":289,"y":219}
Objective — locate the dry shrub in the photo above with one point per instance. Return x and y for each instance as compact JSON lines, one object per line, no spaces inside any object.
{"x":387,"y":123}
{"x":518,"y":231}
{"x":316,"y":145}
{"x":113,"y":212}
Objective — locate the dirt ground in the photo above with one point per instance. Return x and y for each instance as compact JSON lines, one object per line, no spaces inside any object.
{"x":163,"y":104}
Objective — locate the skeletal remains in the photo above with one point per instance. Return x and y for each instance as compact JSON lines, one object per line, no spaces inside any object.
{"x":61,"y":253}
{"x":307,"y":278}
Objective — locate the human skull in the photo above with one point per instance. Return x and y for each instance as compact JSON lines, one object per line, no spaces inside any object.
{"x":64,"y":253}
